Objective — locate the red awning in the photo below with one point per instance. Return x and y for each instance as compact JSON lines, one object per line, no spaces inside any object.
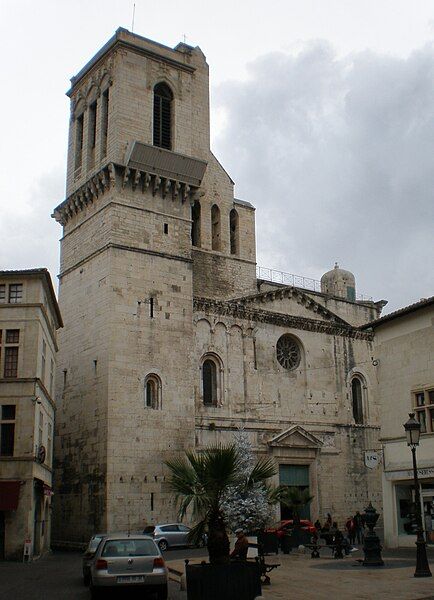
{"x":9,"y":495}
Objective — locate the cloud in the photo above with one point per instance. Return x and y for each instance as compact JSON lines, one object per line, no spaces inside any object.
{"x":32,"y":235}
{"x":337,"y":156}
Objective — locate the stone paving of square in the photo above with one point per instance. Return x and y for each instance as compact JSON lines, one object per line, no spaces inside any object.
{"x":301,"y":578}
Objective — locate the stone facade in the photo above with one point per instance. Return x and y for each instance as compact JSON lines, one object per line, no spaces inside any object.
{"x":404,"y":349}
{"x":29,"y":318}
{"x":170,"y":340}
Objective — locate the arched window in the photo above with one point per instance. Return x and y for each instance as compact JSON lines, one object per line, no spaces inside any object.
{"x":195,"y":224}
{"x":152,"y":392}
{"x":163,"y":116}
{"x":215,"y":227}
{"x":234,"y":232}
{"x":357,"y":400}
{"x":211,"y":381}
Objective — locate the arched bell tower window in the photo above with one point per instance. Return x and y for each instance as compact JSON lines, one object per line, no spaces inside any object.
{"x":357,"y":400}
{"x":211,"y":374}
{"x":234,"y":232}
{"x":152,"y":391}
{"x":195,"y":224}
{"x":163,"y":98}
{"x":215,"y":227}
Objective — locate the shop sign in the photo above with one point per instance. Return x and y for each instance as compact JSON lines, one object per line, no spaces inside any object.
{"x":422,"y":474}
{"x":372,"y":459}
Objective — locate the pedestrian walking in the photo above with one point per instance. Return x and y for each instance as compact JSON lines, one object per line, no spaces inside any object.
{"x":359,"y":523}
{"x":350,"y":526}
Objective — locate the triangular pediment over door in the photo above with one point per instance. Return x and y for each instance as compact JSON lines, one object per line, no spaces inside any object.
{"x":295,"y":437}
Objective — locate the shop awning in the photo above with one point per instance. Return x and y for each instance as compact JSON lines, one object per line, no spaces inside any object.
{"x":9,"y":495}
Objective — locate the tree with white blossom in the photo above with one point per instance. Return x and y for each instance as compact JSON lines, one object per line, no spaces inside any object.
{"x":246,"y":504}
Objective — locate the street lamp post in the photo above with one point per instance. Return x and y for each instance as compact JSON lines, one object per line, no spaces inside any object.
{"x":412,"y":431}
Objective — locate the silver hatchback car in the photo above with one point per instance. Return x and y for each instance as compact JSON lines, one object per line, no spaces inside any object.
{"x":128,"y":562}
{"x":170,"y":535}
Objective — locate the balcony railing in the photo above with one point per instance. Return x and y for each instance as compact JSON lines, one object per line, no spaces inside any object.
{"x":307,"y":283}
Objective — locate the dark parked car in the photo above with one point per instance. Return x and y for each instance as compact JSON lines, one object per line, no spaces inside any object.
{"x":170,"y":535}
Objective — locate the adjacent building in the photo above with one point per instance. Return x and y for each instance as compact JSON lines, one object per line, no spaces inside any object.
{"x":29,"y":319}
{"x":171,"y":339}
{"x":404,"y":349}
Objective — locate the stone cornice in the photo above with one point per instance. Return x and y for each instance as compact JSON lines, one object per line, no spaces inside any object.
{"x":112,"y":175}
{"x":239,"y":310}
{"x":298,"y":294}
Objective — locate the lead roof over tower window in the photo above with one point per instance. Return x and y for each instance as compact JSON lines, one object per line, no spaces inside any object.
{"x":163,"y":116}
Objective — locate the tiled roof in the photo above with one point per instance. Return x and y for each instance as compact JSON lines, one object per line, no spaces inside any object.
{"x":400,"y":312}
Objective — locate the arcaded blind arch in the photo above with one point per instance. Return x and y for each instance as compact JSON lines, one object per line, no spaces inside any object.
{"x":163,"y":98}
{"x":234,"y":231}
{"x":195,"y":223}
{"x":215,"y":227}
{"x":357,"y":400}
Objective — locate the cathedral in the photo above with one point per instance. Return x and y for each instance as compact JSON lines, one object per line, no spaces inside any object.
{"x":170,"y":340}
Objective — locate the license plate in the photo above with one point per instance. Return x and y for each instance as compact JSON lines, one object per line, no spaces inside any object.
{"x":131,"y":579}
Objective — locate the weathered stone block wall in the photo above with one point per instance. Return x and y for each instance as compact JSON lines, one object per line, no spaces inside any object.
{"x":258,"y":393}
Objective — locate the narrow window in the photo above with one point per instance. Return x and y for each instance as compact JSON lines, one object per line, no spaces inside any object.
{"x":79,"y":122}
{"x":91,"y":132}
{"x":41,"y":428}
{"x":7,"y":430}
{"x":234,"y":232}
{"x":92,"y":125}
{"x":209,"y":382}
{"x":166,"y":228}
{"x":152,"y":392}
{"x":357,"y":399}
{"x":195,"y":224}
{"x":104,"y":121}
{"x":15,"y":293}
{"x":49,"y":442}
{"x":163,"y":116}
{"x":51,"y":376}
{"x":215,"y":227}
{"x":11,"y":361}
{"x":44,"y":351}
{"x":2,"y":292}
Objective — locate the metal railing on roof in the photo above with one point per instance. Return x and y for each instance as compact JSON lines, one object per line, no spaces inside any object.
{"x":306,"y":283}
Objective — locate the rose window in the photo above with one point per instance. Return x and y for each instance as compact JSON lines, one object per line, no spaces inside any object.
{"x":288,"y":352}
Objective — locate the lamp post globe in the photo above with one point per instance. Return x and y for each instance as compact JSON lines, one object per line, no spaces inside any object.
{"x":412,"y":432}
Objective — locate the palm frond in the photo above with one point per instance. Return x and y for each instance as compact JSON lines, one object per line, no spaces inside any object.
{"x":263,"y":470}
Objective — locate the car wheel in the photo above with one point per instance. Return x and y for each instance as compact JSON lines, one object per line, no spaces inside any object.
{"x":163,"y":545}
{"x":86,"y":580}
{"x":95,"y":593}
{"x":162,"y":592}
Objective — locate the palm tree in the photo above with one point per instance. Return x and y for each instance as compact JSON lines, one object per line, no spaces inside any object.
{"x":295,"y":499}
{"x":200,"y":481}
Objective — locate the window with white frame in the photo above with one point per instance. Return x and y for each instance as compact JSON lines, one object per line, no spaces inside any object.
{"x":423,"y":402}
{"x":15,"y":293}
{"x":9,"y":346}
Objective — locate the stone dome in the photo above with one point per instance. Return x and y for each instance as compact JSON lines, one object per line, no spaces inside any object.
{"x":339,"y":282}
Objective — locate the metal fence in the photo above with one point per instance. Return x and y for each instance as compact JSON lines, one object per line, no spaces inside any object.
{"x":307,"y":283}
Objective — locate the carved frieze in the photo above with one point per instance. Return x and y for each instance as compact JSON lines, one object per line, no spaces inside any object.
{"x":254,"y":314}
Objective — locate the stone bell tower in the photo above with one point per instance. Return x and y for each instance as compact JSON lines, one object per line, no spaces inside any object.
{"x":140,"y":182}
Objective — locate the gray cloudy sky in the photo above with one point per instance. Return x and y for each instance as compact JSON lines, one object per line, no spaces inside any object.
{"x":322,"y":112}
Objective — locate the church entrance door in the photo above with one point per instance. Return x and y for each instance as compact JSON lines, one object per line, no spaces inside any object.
{"x":294,"y":476}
